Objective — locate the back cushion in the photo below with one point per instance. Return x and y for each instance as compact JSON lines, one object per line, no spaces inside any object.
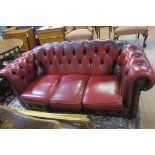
{"x":86,"y":57}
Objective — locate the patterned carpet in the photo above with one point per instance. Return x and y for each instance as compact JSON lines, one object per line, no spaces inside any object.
{"x":99,"y":122}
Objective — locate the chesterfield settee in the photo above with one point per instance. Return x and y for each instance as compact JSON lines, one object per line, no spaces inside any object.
{"x":97,"y":77}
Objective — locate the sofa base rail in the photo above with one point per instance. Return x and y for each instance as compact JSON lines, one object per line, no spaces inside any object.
{"x":126,"y":112}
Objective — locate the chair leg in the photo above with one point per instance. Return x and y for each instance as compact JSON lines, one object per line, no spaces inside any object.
{"x":97,"y":30}
{"x":145,"y":35}
{"x":138,"y":35}
{"x":115,"y":37}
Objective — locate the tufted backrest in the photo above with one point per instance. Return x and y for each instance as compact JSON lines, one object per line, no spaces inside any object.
{"x":86,"y":57}
{"x":20,"y":72}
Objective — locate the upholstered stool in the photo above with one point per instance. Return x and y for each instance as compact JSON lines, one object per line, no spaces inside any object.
{"x":76,"y":33}
{"x":79,"y":34}
{"x":127,"y":30}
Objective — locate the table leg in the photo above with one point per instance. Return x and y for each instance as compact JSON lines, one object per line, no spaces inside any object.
{"x":27,"y":39}
{"x":110,"y":28}
{"x":97,"y":29}
{"x":99,"y":32}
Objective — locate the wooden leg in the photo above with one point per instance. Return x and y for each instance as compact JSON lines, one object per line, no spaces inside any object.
{"x":138,"y":35}
{"x":97,"y":30}
{"x":145,"y":35}
{"x":27,"y":39}
{"x":116,"y":37}
{"x":109,"y":31}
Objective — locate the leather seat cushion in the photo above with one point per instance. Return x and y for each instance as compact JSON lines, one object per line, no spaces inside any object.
{"x":79,"y":34}
{"x":40,"y":90}
{"x":126,"y":30}
{"x":102,"y":93}
{"x":68,"y":95}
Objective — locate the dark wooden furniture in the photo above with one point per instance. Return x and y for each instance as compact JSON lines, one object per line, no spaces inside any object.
{"x":51,"y":34}
{"x":9,"y":50}
{"x":26,"y":35}
{"x":4,"y":32}
{"x":129,"y":30}
{"x":10,"y":46}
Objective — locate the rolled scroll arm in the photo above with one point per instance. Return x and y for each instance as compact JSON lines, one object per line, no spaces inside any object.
{"x":136,"y":75}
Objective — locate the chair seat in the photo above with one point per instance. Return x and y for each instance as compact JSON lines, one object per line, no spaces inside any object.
{"x":79,"y":34}
{"x":126,"y":30}
{"x":40,"y":90}
{"x":68,"y":95}
{"x":102,"y":93}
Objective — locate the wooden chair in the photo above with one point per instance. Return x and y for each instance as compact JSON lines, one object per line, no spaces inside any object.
{"x":77,"y":33}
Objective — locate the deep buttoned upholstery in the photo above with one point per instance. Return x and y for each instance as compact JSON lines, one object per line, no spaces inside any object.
{"x":88,"y":75}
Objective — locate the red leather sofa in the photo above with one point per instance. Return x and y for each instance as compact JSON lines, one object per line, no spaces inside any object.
{"x":99,"y":77}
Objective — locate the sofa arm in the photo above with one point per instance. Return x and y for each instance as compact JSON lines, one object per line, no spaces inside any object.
{"x":20,"y":72}
{"x":136,"y":74}
{"x":137,"y":69}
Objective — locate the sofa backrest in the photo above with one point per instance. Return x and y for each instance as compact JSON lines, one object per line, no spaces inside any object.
{"x":87,"y":57}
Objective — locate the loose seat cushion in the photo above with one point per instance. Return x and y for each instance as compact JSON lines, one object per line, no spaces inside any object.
{"x":126,"y":30}
{"x":102,"y":93}
{"x":79,"y":34}
{"x":40,"y":90}
{"x":68,"y":95}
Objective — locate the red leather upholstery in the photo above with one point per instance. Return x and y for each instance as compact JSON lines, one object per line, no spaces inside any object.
{"x":133,"y":66}
{"x":87,"y":57}
{"x":68,"y":94}
{"x":20,"y":72}
{"x":40,"y":90}
{"x":109,"y":65}
{"x":102,"y":93}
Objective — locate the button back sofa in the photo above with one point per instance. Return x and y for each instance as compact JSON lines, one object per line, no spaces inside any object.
{"x":97,"y":77}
